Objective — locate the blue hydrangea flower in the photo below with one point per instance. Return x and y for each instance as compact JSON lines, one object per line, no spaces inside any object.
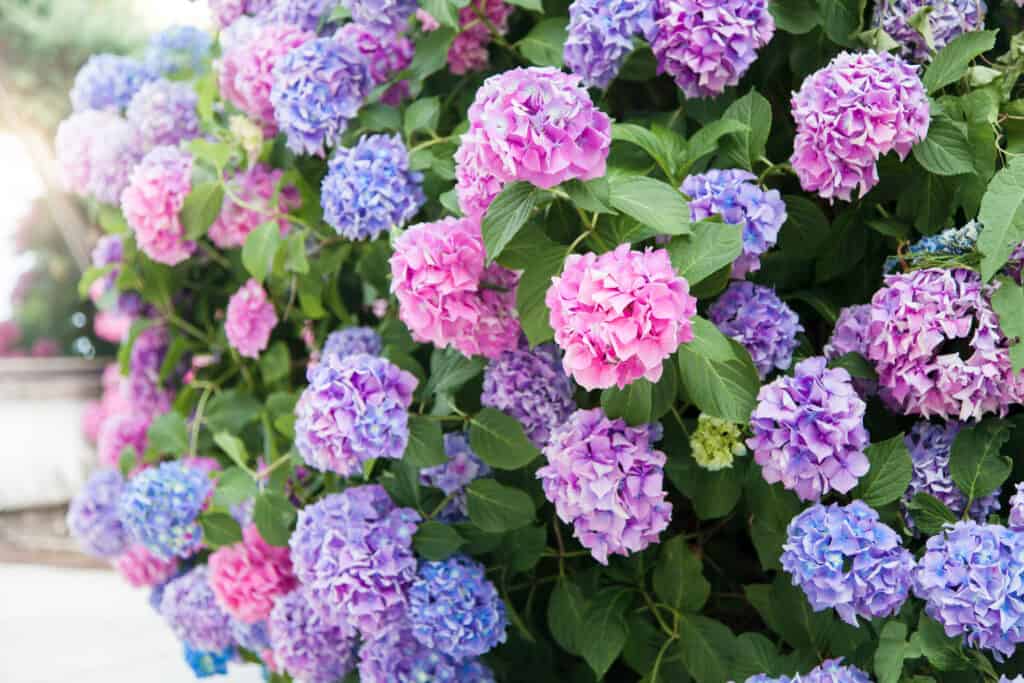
{"x":369,"y":188}
{"x":253,"y":637}
{"x":392,"y":15}
{"x":758,"y":319}
{"x":949,"y":242}
{"x":307,"y":14}
{"x":164,"y":113}
{"x":844,"y":557}
{"x":734,"y":195}
{"x":108,"y":82}
{"x":834,"y":671}
{"x":397,"y":657}
{"x":160,"y":507}
{"x":318,"y":87}
{"x":205,"y":663}
{"x":454,"y":476}
{"x":178,"y":50}
{"x":353,"y":340}
{"x":601,"y":36}
{"x":93,"y":516}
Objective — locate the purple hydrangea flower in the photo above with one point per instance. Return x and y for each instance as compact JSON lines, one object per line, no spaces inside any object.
{"x":142,"y":387}
{"x":253,"y":637}
{"x":455,"y":609}
{"x":227,"y":12}
{"x":946,"y":20}
{"x":531,"y":386}
{"x":397,"y":657}
{"x":306,"y":14}
{"x":971,"y":578}
{"x":601,"y":36}
{"x":205,"y":663}
{"x":845,"y":558}
{"x":352,"y":340}
{"x":734,"y":195}
{"x":454,"y":476}
{"x":392,"y":15}
{"x":318,"y":87}
{"x":808,"y":431}
{"x":765,"y":678}
{"x":305,"y":644}
{"x":385,"y":52}
{"x":108,"y":82}
{"x":707,"y":45}
{"x":165,"y":113}
{"x":834,"y":671}
{"x":96,"y":152}
{"x":160,"y":507}
{"x":369,"y":189}
{"x":354,"y":410}
{"x":850,"y":335}
{"x":758,"y":319}
{"x":1016,"y":521}
{"x":178,"y":50}
{"x":109,"y":251}
{"x":93,"y":516}
{"x":353,"y":552}
{"x":605,"y":478}
{"x":192,"y":612}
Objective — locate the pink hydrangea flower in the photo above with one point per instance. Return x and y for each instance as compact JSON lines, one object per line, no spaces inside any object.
{"x":429,"y":24}
{"x":142,"y":569}
{"x":93,"y":418}
{"x":247,"y":70}
{"x":119,"y":432}
{"x":152,"y":201}
{"x":246,"y":577}
{"x":537,"y":125}
{"x":446,"y":294}
{"x":250,"y":320}
{"x":468,"y":51}
{"x":385,"y":52}
{"x":849,"y":114}
{"x":619,"y":315}
{"x":255,"y":187}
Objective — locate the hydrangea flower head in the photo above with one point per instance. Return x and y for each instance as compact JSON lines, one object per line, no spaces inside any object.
{"x":125,"y":430}
{"x":256,"y":187}
{"x":191,"y":610}
{"x":397,"y":657}
{"x":250,"y":319}
{"x":254,"y":637}
{"x":850,"y":334}
{"x":619,"y":315}
{"x":946,"y":20}
{"x":306,"y":14}
{"x":141,"y":390}
{"x":447,"y":296}
{"x":369,"y":189}
{"x":468,"y":51}
{"x":227,"y":12}
{"x":352,"y":340}
{"x":93,"y":518}
{"x":716,"y":442}
{"x":531,"y":386}
{"x":385,"y":53}
{"x":161,"y":505}
{"x":845,"y":558}
{"x":707,"y":45}
{"x":165,"y":113}
{"x":1016,"y":521}
{"x":850,"y":113}
{"x":318,"y":88}
{"x":834,"y":671}
{"x":606,"y":479}
{"x":354,"y":410}
{"x":96,"y":152}
{"x":178,"y":50}
{"x":247,"y":576}
{"x":108,"y":83}
{"x":734,"y":195}
{"x":454,"y":476}
{"x":353,"y":552}
{"x":758,"y":319}
{"x":808,"y":431}
{"x":152,"y":201}
{"x":205,"y":663}
{"x":142,"y":569}
{"x":535,"y":124}
{"x":308,"y":646}
{"x":391,"y":15}
{"x":601,"y":36}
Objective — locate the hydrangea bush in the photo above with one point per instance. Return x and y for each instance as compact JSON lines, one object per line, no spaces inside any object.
{"x":564,"y":341}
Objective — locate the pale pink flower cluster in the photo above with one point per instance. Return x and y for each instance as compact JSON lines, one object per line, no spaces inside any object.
{"x":250,"y":320}
{"x":255,"y":187}
{"x":246,"y":577}
{"x":152,"y":201}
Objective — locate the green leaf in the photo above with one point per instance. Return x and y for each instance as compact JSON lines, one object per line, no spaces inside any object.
{"x":172,"y":359}
{"x":219,"y":529}
{"x":507,"y":215}
{"x":426,"y":443}
{"x":785,"y":610}
{"x":91,"y":275}
{"x":706,"y":140}
{"x":679,"y":577}
{"x":592,"y":195}
{"x":644,"y":139}
{"x":746,"y":147}
{"x":567,"y":610}
{"x":435,"y":541}
{"x":499,"y":440}
{"x":633,"y":404}
{"x":711,"y":247}
{"x":946,"y":151}
{"x":532,"y":5}
{"x":260,"y":248}
{"x":943,"y":653}
{"x":496,"y":508}
{"x":234,"y":486}
{"x":889,"y":475}
{"x":449,"y":370}
{"x":794,"y":16}
{"x":524,"y":547}
{"x":217,"y":154}
{"x":857,"y":365}
{"x":431,"y":53}
{"x":422,"y":114}
{"x":274,"y":516}
{"x":442,"y":10}
{"x":652,"y":203}
{"x":929,"y":513}
{"x":1002,"y":214}
{"x":975,"y":463}
{"x":201,"y":208}
{"x":534,"y":283}
{"x":892,"y":649}
{"x":127,"y":461}
{"x":718,"y":374}
{"x":706,"y":646}
{"x":168,"y":434}
{"x":545,"y":42}
{"x":233,"y":447}
{"x":231,"y":410}
{"x":275,"y":363}
{"x":842,"y":19}
{"x":1008,"y":303}
{"x":604,"y":632}
{"x":296,"y":260}
{"x":952,"y":61}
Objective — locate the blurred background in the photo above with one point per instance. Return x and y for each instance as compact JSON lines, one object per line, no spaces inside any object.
{"x":62,"y":616}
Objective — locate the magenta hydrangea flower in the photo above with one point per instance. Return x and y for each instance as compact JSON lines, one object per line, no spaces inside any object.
{"x":142,"y":569}
{"x":619,"y":315}
{"x":447,"y":296}
{"x":165,"y":113}
{"x":93,"y":518}
{"x":1016,"y":520}
{"x":385,"y":52}
{"x":601,"y":36}
{"x":108,"y":82}
{"x":246,"y":577}
{"x":606,"y":479}
{"x":938,"y":348}
{"x":247,"y":69}
{"x":537,"y":125}
{"x":734,"y":195}
{"x":308,"y":646}
{"x":250,"y":319}
{"x":808,"y":431}
{"x":468,"y":52}
{"x":946,"y":19}
{"x":354,"y":410}
{"x":353,"y":552}
{"x":397,"y":657}
{"x":707,"y":45}
{"x":849,"y":114}
{"x":758,"y":319}
{"x":452,"y":477}
{"x":152,"y":202}
{"x":256,"y":187}
{"x":96,"y":152}
{"x":121,"y":431}
{"x":226,"y":12}
{"x":191,"y":610}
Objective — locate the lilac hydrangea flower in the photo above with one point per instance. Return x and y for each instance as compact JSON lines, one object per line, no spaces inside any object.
{"x":392,"y":15}
{"x":454,"y":476}
{"x":142,"y":388}
{"x":93,"y":518}
{"x":305,"y":644}
{"x":318,"y":87}
{"x":160,"y":507}
{"x":227,"y":12}
{"x":1016,"y":521}
{"x":758,"y":319}
{"x":850,"y":335}
{"x":165,"y":113}
{"x":253,"y":637}
{"x":206,"y":663}
{"x":808,"y":431}
{"x":352,"y":340}
{"x":108,"y":82}
{"x":531,"y":386}
{"x":971,"y":578}
{"x":306,"y":14}
{"x":397,"y":657}
{"x":455,"y":609}
{"x":834,"y":671}
{"x":178,"y":50}
{"x":108,"y":251}
{"x":354,"y":410}
{"x":734,"y":195}
{"x":606,"y":479}
{"x":385,"y":52}
{"x":946,"y":20}
{"x":707,"y":45}
{"x":601,"y":36}
{"x":845,"y":558}
{"x":369,"y":189}
{"x":191,"y":610}
{"x":96,"y":153}
{"x":353,"y":553}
